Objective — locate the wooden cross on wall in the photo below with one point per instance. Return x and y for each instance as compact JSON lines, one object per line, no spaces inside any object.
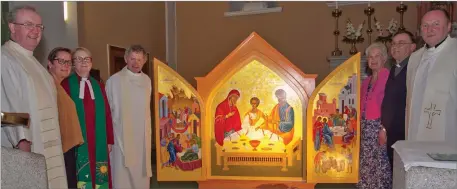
{"x":432,"y":111}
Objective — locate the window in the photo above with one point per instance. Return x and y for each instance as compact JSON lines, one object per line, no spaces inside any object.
{"x":239,"y":8}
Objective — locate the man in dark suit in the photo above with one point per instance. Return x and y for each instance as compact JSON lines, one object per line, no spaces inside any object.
{"x":394,"y":103}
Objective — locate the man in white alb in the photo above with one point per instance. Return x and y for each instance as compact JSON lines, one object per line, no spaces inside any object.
{"x":431,"y":110}
{"x":129,"y":95}
{"x":27,"y":87}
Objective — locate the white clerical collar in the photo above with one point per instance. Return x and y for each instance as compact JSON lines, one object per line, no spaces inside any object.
{"x":19,"y":48}
{"x":437,"y":47}
{"x":132,"y":73}
{"x":82,"y":87}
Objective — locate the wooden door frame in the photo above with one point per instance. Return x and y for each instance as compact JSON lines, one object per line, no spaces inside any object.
{"x":110,"y":60}
{"x":110,"y":67}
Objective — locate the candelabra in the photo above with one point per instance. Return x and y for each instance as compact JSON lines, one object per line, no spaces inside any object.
{"x":369,"y":11}
{"x":336,"y":14}
{"x":401,"y":9}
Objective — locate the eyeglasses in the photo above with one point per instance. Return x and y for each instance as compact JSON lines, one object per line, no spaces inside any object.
{"x":81,"y":59}
{"x":63,"y":62}
{"x":31,"y":26}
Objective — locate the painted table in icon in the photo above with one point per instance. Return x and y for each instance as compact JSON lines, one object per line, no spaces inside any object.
{"x":245,"y":152}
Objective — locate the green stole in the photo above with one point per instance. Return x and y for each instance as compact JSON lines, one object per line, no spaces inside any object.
{"x":101,"y":148}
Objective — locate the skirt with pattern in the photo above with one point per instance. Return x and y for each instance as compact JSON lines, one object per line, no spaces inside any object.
{"x":375,"y":172}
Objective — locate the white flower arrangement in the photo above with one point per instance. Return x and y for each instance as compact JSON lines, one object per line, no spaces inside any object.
{"x":392,"y":28}
{"x":352,"y":34}
{"x":378,"y":26}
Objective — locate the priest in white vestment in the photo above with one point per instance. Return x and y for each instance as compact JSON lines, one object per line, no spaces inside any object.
{"x":129,"y":95}
{"x":27,"y":87}
{"x":432,"y":83}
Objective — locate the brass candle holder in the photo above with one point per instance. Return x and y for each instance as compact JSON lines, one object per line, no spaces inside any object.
{"x":336,"y":14}
{"x":369,"y":11}
{"x":402,"y":9}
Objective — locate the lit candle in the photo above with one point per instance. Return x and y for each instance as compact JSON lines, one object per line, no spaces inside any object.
{"x":336,"y":4}
{"x":369,"y":4}
{"x":401,"y":2}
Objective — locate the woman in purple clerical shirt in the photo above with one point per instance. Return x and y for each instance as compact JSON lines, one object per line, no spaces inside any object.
{"x":374,"y":163}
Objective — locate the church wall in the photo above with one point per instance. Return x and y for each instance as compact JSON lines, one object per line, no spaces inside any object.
{"x":121,"y":24}
{"x":57,"y":32}
{"x":455,"y":13}
{"x":303,"y":32}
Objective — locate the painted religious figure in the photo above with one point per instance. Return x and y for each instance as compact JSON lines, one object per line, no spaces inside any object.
{"x":332,"y":115}
{"x":281,"y":119}
{"x":255,"y":124}
{"x":227,"y":122}
{"x":258,"y":119}
{"x":178,"y":126}
{"x":179,"y":131}
{"x":250,"y":121}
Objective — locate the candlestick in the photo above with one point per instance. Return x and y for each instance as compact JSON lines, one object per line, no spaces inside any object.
{"x":369,"y":11}
{"x":402,"y":9}
{"x":336,"y":14}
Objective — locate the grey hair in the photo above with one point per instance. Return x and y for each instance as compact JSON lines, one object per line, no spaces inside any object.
{"x":11,"y":17}
{"x":135,"y":48}
{"x":379,"y":46}
{"x":81,"y":49}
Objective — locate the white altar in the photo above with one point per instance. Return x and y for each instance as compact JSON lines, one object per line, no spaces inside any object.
{"x":413,"y":168}
{"x":23,"y":169}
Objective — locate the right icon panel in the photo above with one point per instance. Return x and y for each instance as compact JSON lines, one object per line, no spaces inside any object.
{"x":333,"y":126}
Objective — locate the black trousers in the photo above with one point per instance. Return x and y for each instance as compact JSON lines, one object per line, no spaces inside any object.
{"x":390,"y":152}
{"x":70,"y":166}
{"x":392,"y":137}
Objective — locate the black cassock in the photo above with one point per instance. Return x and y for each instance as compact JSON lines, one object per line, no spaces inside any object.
{"x":393,"y":107}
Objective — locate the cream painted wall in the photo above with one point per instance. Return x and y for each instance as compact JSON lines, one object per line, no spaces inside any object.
{"x":57,"y":32}
{"x":121,"y":24}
